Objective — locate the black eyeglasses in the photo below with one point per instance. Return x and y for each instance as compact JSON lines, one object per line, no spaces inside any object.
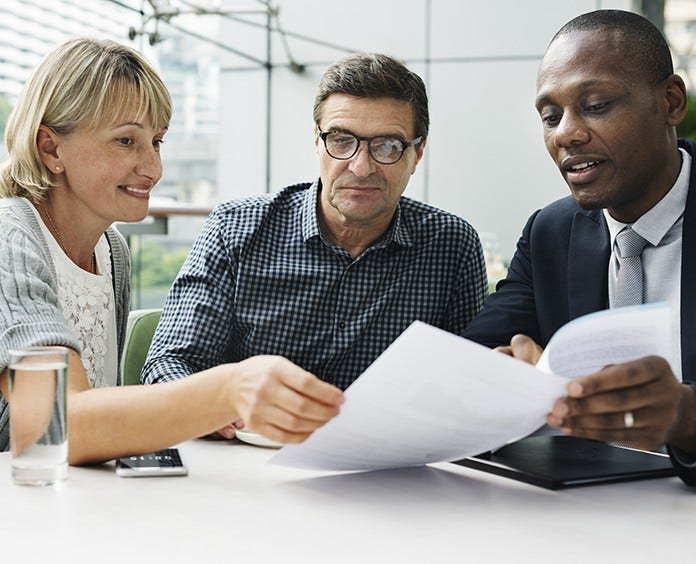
{"x":343,"y":145}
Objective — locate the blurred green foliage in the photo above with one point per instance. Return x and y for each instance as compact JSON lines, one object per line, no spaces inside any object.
{"x":5,"y":110}
{"x":154,"y":265}
{"x":687,"y":128}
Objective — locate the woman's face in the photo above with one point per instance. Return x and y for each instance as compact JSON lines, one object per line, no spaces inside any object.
{"x":107,"y":173}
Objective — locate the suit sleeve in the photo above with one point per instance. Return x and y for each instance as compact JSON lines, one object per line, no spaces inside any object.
{"x":194,"y":331}
{"x":683,"y":462}
{"x":684,"y":465}
{"x":511,"y":309}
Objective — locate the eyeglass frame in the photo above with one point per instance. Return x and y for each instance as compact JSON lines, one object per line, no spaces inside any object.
{"x":324,"y":134}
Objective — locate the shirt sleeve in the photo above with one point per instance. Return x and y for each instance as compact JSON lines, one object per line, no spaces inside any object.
{"x":511,"y":308}
{"x":194,"y":332}
{"x":472,"y":284}
{"x":30,"y":314}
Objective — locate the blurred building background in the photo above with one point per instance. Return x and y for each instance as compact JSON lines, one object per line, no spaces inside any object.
{"x":242,"y":76}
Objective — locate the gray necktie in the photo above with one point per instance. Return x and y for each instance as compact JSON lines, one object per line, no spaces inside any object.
{"x":629,"y":279}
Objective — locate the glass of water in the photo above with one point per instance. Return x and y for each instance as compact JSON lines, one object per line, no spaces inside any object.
{"x":38,"y":422}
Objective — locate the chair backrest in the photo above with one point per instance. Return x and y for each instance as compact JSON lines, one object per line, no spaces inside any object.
{"x":139,"y":332}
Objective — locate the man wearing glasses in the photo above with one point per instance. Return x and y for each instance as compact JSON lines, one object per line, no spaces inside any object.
{"x":329,"y":273}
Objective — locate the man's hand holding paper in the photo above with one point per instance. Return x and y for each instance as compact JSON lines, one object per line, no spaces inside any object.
{"x":635,"y":402}
{"x":433,"y":396}
{"x":522,"y":348}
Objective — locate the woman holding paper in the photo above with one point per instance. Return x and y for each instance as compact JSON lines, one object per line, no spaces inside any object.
{"x":84,"y":151}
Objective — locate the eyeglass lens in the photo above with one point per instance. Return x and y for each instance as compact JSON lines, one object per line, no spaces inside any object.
{"x":385,"y":150}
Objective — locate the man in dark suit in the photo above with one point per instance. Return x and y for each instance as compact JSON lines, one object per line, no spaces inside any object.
{"x":609,"y":102}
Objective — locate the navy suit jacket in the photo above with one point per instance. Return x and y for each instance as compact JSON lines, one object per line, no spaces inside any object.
{"x":559,"y":272}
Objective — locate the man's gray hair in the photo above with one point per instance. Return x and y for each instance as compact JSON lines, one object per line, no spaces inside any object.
{"x":373,"y":75}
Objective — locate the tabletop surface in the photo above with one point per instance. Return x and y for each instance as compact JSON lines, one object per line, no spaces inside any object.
{"x":235,"y":507}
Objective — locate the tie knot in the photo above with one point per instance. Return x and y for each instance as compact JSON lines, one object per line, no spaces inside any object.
{"x":629,"y":243}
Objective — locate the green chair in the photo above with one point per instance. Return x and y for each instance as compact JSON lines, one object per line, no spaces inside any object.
{"x":139,"y":332}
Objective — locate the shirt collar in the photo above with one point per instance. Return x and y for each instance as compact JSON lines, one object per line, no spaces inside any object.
{"x":654,"y":224}
{"x":310,"y":221}
{"x":397,"y":232}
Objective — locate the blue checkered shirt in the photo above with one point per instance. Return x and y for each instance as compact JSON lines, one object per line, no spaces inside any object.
{"x":261,"y":279}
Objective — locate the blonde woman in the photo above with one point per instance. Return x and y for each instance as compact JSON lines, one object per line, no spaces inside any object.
{"x":84,"y":151}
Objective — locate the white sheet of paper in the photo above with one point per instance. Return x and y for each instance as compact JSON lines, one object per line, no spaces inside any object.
{"x":611,"y":336}
{"x":431,"y":396}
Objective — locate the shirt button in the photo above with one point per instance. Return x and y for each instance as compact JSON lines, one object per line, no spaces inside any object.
{"x":341,"y":324}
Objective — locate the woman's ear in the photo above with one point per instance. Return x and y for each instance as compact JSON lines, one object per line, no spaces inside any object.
{"x":47,"y":145}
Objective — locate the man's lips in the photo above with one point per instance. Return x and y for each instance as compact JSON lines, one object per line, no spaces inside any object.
{"x":359,"y":187}
{"x":582,"y":169}
{"x":358,"y":191}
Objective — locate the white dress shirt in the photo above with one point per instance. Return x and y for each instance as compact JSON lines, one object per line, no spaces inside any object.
{"x":661,"y":226}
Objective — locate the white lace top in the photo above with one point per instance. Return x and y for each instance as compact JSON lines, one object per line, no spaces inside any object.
{"x":88,"y":306}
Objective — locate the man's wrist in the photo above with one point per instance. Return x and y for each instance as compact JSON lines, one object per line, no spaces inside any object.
{"x":682,"y":439}
{"x":682,"y":458}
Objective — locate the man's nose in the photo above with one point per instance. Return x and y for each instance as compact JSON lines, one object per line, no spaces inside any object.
{"x":571,"y":130}
{"x":361,"y":163}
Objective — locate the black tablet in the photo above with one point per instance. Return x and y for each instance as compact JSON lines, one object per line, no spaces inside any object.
{"x":558,"y":461}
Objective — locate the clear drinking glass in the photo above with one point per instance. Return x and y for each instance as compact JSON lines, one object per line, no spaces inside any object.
{"x":38,"y":423}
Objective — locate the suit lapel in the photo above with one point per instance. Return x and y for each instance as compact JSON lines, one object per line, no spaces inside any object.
{"x":588,"y":259}
{"x":688,"y":275}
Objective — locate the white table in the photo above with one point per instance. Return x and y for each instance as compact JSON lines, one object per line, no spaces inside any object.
{"x":234,"y":507}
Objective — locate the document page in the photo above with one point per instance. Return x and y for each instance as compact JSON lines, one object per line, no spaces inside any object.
{"x":612,"y":336}
{"x":431,"y":396}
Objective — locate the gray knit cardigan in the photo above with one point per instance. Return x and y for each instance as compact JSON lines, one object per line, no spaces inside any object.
{"x":29,"y":309}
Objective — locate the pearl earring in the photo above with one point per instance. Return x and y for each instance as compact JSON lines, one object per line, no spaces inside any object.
{"x":57,"y":167}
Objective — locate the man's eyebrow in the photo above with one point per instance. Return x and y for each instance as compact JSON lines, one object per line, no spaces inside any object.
{"x":542,"y":100}
{"x":546,"y":98}
{"x":345,"y":130}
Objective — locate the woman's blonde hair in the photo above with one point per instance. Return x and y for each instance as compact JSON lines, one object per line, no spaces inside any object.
{"x":82,"y":83}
